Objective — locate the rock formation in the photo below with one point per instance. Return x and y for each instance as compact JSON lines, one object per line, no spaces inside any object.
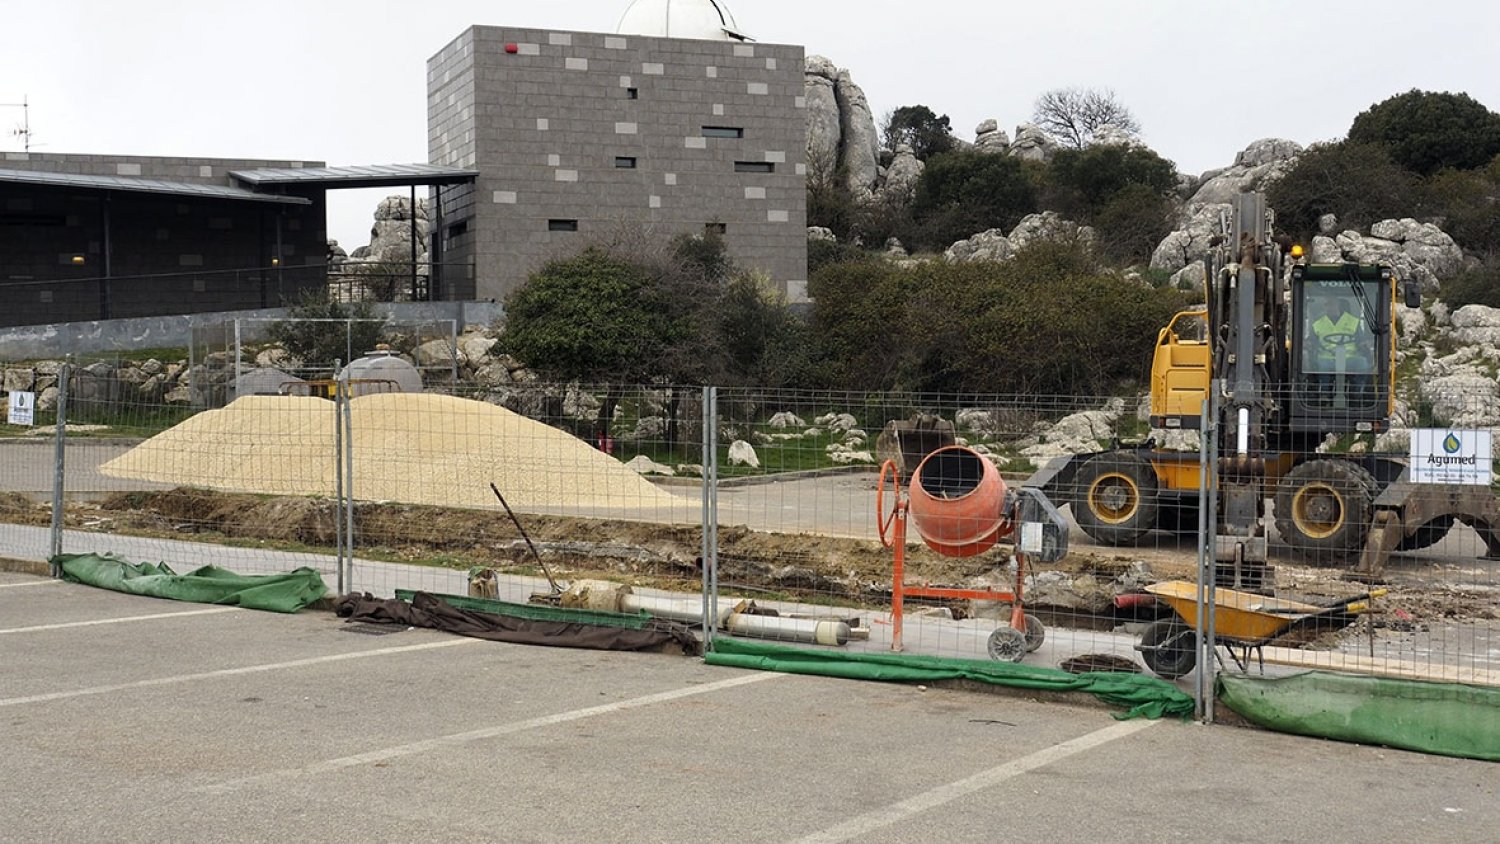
{"x":996,"y":245}
{"x":840,"y":127}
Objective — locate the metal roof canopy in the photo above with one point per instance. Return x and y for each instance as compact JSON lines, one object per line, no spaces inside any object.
{"x":370,"y":176}
{"x":48,"y":178}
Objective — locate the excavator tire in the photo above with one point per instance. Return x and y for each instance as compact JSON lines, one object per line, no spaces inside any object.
{"x":1324,"y":507}
{"x":1116,"y":499}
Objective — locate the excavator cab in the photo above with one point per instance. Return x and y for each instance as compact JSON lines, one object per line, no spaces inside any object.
{"x":1340,"y":348}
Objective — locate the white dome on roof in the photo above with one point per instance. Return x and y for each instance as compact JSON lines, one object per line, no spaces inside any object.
{"x":708,"y":20}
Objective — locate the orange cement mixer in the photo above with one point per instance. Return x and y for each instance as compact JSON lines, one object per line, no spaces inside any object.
{"x":958,"y":504}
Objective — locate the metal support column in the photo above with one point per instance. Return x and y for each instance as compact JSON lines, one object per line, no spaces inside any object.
{"x":59,"y":459}
{"x":414,"y":243}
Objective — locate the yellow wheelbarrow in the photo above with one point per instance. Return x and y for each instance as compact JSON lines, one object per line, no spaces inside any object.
{"x":1245,"y":620}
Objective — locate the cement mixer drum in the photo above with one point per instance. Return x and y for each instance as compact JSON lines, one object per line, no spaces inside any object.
{"x":958,"y":502}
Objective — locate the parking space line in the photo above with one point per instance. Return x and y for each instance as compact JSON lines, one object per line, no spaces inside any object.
{"x":231,"y":672}
{"x":34,"y":583}
{"x":871,"y":821}
{"x":331,"y":765}
{"x":97,"y":621}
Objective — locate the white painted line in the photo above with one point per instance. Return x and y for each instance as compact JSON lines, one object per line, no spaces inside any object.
{"x":332,"y":765}
{"x":34,"y":583}
{"x":40,"y":627}
{"x":231,"y":672}
{"x":871,"y":821}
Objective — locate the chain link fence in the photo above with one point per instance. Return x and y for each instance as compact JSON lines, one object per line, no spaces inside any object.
{"x":779,"y":515}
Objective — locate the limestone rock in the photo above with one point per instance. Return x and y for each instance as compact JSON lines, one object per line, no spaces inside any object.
{"x":18,"y":378}
{"x":1189,"y":243}
{"x":476,"y":347}
{"x":990,"y":245}
{"x":1033,"y":143}
{"x":824,"y":129}
{"x":1328,"y":224}
{"x":435,"y":353}
{"x":1109,"y":134}
{"x":1476,"y":325}
{"x":860,"y":145}
{"x":902,"y":176}
{"x":821,"y":233}
{"x":838,"y":422}
{"x":742,"y":453}
{"x":785,"y":419}
{"x":989,"y":137}
{"x":643,"y":465}
{"x":1254,"y":167}
{"x":1191,"y":277}
{"x":1324,"y":250}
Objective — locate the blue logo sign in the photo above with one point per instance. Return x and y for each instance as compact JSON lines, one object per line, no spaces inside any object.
{"x":1451,"y":444}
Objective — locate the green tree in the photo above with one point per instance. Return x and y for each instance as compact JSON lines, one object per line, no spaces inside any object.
{"x":1468,"y":202}
{"x":320,"y":329}
{"x":1096,"y":174}
{"x":1358,"y":182}
{"x":917,"y":126}
{"x":1426,"y":131}
{"x":599,"y":318}
{"x":966,"y":192}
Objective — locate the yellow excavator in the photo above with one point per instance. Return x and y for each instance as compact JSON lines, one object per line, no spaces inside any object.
{"x":1283,"y":354}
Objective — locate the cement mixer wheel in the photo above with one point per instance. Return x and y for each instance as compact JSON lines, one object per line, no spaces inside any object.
{"x":1116,"y":501}
{"x":1007,"y":644}
{"x":1035,"y":634}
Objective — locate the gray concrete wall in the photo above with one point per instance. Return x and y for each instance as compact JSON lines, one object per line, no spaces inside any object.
{"x":39,"y":342}
{"x":545,"y":125}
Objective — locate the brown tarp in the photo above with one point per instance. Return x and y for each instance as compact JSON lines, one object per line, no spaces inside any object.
{"x":426,"y":610}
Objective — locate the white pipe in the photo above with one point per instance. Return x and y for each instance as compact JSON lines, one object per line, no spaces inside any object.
{"x":806,"y":630}
{"x":1242,"y":438}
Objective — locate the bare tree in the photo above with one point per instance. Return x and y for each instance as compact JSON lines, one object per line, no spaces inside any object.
{"x":1073,"y":115}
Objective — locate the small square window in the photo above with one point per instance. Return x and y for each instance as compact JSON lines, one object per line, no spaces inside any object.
{"x":723,"y":132}
{"x":625,"y":162}
{"x":632,"y":93}
{"x":562,"y":225}
{"x":459,"y":228}
{"x":754,"y":167}
{"x":715,"y":228}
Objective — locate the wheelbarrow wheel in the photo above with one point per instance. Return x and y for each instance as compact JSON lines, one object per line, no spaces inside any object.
{"x":1036,"y":634}
{"x":1007,"y":644}
{"x":1167,"y":648}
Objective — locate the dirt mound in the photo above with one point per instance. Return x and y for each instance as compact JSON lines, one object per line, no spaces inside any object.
{"x":410,"y":447}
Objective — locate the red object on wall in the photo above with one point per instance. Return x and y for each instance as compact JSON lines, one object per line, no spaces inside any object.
{"x":512,"y":48}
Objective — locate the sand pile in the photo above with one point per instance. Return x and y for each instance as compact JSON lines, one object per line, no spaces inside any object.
{"x":410,"y":447}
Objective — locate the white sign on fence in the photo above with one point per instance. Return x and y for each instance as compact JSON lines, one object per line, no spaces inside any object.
{"x":22,"y":408}
{"x":1441,"y":456}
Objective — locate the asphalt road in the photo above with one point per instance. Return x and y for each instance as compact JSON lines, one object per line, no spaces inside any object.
{"x":131,"y":719}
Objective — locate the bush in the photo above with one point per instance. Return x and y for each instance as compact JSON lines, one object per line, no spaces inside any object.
{"x":1425,"y":132}
{"x":1468,"y":203}
{"x":1357,"y":181}
{"x":917,"y":126}
{"x":821,"y":253}
{"x":1095,"y":175}
{"x":1132,"y":223}
{"x":1045,"y":322}
{"x":963,"y":193}
{"x":1479,"y":286}
{"x":319,"y":343}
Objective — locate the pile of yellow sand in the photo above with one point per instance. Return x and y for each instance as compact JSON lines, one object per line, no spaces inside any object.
{"x":411,"y":447}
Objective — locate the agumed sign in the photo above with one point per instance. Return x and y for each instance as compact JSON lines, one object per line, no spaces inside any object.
{"x":1442,"y":456}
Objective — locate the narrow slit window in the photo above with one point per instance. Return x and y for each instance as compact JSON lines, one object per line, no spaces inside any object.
{"x":715,"y":228}
{"x":754,"y":167}
{"x":459,"y":228}
{"x":625,"y":162}
{"x":723,"y":132}
{"x":562,"y":225}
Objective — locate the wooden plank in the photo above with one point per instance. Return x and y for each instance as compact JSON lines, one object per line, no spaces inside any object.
{"x":1382,"y":667}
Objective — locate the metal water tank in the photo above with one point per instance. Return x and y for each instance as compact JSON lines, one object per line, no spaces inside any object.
{"x":381,"y":371}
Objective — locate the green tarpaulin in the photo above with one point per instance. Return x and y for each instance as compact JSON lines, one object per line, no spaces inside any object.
{"x":1141,"y":695}
{"x":1443,"y":718}
{"x":208,"y":585}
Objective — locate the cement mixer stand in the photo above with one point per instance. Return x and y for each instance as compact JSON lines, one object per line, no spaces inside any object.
{"x":961,"y":508}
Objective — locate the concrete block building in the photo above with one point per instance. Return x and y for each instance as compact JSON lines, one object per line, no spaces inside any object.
{"x":583,"y":137}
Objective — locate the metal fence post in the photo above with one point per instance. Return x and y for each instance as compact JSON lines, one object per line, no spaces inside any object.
{"x":59,"y":459}
{"x":338,"y":480}
{"x":710,"y":515}
{"x":1208,"y":665}
{"x":344,"y":388}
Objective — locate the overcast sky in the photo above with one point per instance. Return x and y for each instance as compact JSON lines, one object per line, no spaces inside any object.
{"x":345,"y":82}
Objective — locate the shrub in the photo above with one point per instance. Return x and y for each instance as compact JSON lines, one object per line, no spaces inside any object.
{"x":1426,"y":131}
{"x":1097,"y":174}
{"x":1357,"y":181}
{"x":311,"y":337}
{"x":1132,"y":223}
{"x":1468,"y":203}
{"x":1478,"y":286}
{"x":966,"y":192}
